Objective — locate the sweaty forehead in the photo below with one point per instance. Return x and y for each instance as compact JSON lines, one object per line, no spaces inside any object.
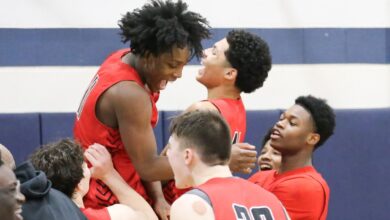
{"x":222,"y":45}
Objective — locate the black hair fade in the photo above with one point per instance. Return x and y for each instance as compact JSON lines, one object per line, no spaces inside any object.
{"x":160,"y":25}
{"x":322,"y":114}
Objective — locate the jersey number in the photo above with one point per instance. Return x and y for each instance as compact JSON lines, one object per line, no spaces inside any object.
{"x":256,"y":213}
{"x":86,"y":94}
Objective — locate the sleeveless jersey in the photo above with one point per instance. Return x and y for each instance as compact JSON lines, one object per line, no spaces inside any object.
{"x":235,"y":198}
{"x":233,"y":111}
{"x":89,"y":130}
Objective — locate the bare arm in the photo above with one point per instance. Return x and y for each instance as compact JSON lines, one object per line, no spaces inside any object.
{"x":103,"y":169}
{"x":191,"y":207}
{"x":133,"y":110}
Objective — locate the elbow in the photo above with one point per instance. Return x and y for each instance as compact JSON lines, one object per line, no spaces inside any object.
{"x":147,"y":174}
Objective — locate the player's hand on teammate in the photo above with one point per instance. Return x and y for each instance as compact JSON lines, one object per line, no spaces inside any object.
{"x":243,"y":158}
{"x":100,"y":159}
{"x":162,"y":208}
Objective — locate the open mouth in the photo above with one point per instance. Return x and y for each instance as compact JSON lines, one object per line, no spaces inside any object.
{"x":265,"y":166}
{"x":275,"y":134}
{"x":163,"y":84}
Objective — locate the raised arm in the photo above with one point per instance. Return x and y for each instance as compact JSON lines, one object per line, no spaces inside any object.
{"x":103,"y":169}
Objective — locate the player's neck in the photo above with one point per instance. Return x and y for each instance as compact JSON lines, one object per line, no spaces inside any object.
{"x":202,"y":174}
{"x":134,"y":61}
{"x":223,"y":92}
{"x":78,"y":200}
{"x":295,"y":161}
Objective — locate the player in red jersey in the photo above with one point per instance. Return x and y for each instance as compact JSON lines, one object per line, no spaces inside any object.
{"x":238,"y":63}
{"x":118,"y":110}
{"x":300,"y":130}
{"x":199,"y":158}
{"x":63,"y":162}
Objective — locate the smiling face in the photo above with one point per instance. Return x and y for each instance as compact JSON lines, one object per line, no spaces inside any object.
{"x":215,"y":65}
{"x":293,"y":131}
{"x":157,"y":71}
{"x":269,"y":159}
{"x":9,"y":183}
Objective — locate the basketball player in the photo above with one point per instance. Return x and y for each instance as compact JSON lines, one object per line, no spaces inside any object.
{"x":238,"y":63}
{"x":118,"y":110}
{"x":199,"y":158}
{"x":300,"y":130}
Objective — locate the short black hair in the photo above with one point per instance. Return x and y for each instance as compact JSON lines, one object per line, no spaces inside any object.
{"x":322,"y":114}
{"x":206,"y":131}
{"x":62,"y":162}
{"x":159,"y":26}
{"x":250,"y":55}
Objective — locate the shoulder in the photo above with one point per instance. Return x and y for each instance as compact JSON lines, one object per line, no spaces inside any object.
{"x":302,"y":186}
{"x":126,"y":90}
{"x":128,"y":97}
{"x":191,"y":207}
{"x":202,"y":106}
{"x":122,"y":212}
{"x":261,"y":176}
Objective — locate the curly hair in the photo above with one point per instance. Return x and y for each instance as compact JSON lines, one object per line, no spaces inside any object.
{"x":159,"y":26}
{"x":250,"y":55}
{"x":62,"y":163}
{"x":322,"y":114}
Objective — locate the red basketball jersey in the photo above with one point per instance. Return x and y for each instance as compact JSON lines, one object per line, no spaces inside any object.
{"x":303,"y":191}
{"x":89,"y":130}
{"x":233,"y":111}
{"x":235,"y":198}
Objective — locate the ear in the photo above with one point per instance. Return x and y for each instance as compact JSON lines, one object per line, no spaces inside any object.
{"x":188,"y":156}
{"x":313,"y":139}
{"x":231,"y":74}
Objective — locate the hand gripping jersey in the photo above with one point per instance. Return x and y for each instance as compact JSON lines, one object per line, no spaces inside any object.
{"x":89,"y":130}
{"x":303,"y":192}
{"x":233,"y":111}
{"x":235,"y":198}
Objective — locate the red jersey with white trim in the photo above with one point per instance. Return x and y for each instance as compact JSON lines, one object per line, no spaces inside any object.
{"x":89,"y":130}
{"x":303,"y":192}
{"x":235,"y":198}
{"x":233,"y":111}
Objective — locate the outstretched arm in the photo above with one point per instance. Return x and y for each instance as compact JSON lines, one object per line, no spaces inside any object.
{"x":103,"y":169}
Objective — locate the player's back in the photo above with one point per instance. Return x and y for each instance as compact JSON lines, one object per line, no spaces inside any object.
{"x":236,"y":198}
